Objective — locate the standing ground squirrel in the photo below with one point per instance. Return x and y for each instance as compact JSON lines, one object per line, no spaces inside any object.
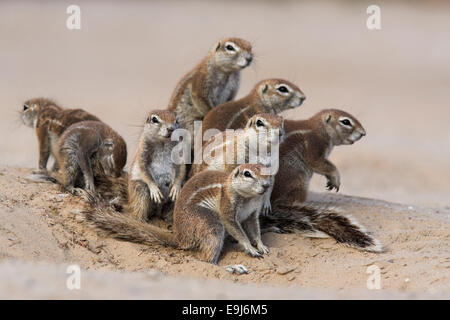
{"x":88,"y":149}
{"x":268,"y":96}
{"x":155,"y":180}
{"x":226,"y":150}
{"x":212,"y":82}
{"x":210,"y":205}
{"x":50,"y":121}
{"x":304,"y":151}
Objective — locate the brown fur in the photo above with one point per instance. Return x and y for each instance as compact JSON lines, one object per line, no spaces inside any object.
{"x":213,"y":81}
{"x":305,"y":150}
{"x":154,"y":180}
{"x":210,"y":204}
{"x":270,"y":121}
{"x":86,"y":150}
{"x":264,"y":98}
{"x":114,"y":190}
{"x":50,"y":121}
{"x":261,"y":130}
{"x":319,"y":222}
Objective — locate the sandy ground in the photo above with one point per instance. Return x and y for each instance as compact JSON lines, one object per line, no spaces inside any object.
{"x":126,"y":60}
{"x":39,"y":223}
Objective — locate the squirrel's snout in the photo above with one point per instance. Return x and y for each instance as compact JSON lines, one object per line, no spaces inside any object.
{"x":265,"y":185}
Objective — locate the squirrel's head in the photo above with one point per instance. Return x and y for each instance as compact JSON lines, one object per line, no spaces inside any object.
{"x":160,"y":124}
{"x":342,"y":127}
{"x":232,"y":54}
{"x":267,"y":125}
{"x":249,"y":180}
{"x":277,"y":95}
{"x":30,"y":110}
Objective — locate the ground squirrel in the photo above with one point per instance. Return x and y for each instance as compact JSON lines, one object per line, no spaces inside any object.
{"x":88,"y":149}
{"x":50,"y":121}
{"x":321,"y":221}
{"x":226,"y":150}
{"x":268,"y":96}
{"x":155,"y":180}
{"x":210,"y":204}
{"x":212,"y":82}
{"x":304,"y":150}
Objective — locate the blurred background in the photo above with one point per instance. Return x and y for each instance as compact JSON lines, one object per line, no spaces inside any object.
{"x":129,"y":55}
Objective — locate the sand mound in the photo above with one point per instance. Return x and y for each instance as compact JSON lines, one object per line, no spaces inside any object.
{"x":39,"y":223}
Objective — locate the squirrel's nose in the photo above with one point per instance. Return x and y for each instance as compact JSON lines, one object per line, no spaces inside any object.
{"x":266,"y":185}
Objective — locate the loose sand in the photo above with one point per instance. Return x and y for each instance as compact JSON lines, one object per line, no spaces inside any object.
{"x":127,"y":59}
{"x":39,"y":223}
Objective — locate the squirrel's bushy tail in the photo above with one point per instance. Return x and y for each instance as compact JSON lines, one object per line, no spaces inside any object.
{"x":109,"y":222}
{"x":43,"y":177}
{"x":112,"y":189}
{"x":320,"y":222}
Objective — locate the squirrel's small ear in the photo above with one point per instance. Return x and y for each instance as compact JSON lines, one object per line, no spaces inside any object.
{"x":264,"y":90}
{"x":218,"y":46}
{"x":327,"y":120}
{"x":250,"y":123}
{"x":236,"y":173}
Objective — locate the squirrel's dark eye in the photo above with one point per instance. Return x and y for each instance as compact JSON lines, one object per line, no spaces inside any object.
{"x":259,"y":123}
{"x":25,"y":107}
{"x":155,"y":120}
{"x":283,"y":89}
{"x":109,"y":144}
{"x":247,"y":174}
{"x":346,"y":122}
{"x":229,"y":47}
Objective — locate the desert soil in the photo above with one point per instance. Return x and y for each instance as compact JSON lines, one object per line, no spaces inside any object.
{"x":39,"y":223}
{"x":126,"y":60}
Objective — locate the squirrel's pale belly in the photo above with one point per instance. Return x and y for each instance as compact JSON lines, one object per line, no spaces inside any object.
{"x":224,"y":87}
{"x":249,"y":207}
{"x":162,"y":171}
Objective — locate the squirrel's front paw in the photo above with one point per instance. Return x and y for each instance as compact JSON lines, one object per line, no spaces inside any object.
{"x":174,"y":191}
{"x":155,"y":194}
{"x":267,"y":208}
{"x":333,"y":182}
